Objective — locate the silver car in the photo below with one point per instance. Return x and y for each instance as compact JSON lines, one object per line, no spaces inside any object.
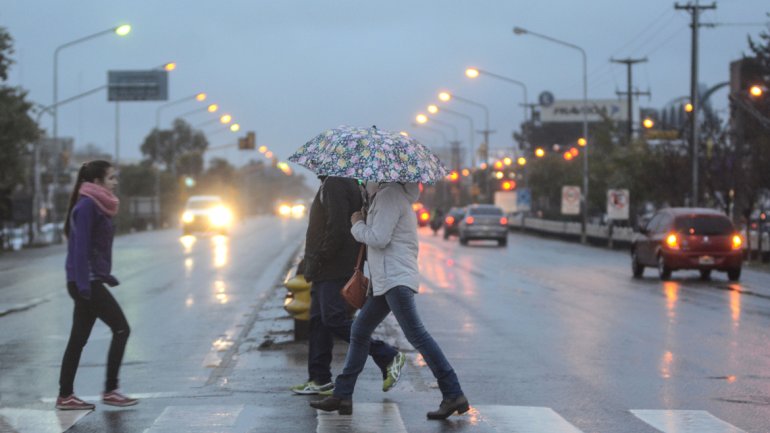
{"x":483,"y":221}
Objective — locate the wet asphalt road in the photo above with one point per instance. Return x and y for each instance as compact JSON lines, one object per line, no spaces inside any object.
{"x":546,"y":336}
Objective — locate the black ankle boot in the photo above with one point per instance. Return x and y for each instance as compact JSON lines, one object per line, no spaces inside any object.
{"x":330,"y":404}
{"x":449,"y":406}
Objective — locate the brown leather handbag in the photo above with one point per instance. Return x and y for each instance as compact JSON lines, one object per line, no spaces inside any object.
{"x":355,"y":289}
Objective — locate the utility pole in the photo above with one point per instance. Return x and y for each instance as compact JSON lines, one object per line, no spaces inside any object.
{"x":629,"y":62}
{"x":694,"y":10}
{"x":484,"y":148}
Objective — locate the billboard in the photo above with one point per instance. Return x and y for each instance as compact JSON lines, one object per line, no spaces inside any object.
{"x":571,"y":111}
{"x":150,"y":85}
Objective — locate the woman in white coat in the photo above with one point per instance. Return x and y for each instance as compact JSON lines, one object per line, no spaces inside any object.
{"x":390,"y":233}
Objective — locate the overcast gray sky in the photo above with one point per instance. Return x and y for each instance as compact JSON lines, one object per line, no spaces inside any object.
{"x":291,"y":68}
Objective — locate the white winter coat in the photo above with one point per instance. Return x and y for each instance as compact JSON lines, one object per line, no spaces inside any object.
{"x":390,"y":233}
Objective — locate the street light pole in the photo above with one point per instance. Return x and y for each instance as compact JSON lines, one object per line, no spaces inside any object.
{"x":584,"y":196}
{"x":523,"y":86}
{"x":199,"y":97}
{"x":484,"y":148}
{"x":470,"y":135}
{"x":121,"y":30}
{"x":434,"y":130}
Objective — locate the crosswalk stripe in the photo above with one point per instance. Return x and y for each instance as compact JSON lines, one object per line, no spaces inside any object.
{"x":367,"y":417}
{"x":685,"y":421}
{"x":523,"y":419}
{"x":38,"y":421}
{"x":197,"y":419}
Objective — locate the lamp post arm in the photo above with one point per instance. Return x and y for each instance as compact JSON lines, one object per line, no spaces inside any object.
{"x":482,"y":106}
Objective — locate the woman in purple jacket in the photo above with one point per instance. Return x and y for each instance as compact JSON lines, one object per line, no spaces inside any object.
{"x":89,"y":230}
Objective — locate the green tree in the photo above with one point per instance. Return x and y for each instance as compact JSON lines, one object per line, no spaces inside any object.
{"x":181,"y":147}
{"x":17,"y":128}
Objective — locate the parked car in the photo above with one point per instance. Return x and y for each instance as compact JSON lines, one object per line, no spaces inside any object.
{"x":452,"y":221}
{"x":206,"y":213}
{"x":688,"y":238}
{"x":483,"y":221}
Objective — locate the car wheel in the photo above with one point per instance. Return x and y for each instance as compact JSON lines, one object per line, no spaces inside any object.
{"x":636,"y":268}
{"x":734,"y":274}
{"x":446,"y":235}
{"x":502,"y":242}
{"x":664,"y":272}
{"x":463,"y":240}
{"x":705,"y":274}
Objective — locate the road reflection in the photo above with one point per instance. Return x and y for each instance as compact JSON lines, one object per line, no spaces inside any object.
{"x":221,"y":250}
{"x":188,"y":241}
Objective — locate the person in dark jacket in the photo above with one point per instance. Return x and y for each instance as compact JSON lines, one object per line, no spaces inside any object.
{"x":90,"y":231}
{"x":330,"y":256}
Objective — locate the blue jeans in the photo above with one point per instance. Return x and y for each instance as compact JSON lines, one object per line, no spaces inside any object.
{"x":399,"y":300}
{"x":330,"y":317}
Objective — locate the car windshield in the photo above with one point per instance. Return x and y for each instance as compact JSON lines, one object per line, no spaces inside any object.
{"x":202,"y":204}
{"x":704,"y":225}
{"x":485,"y":211}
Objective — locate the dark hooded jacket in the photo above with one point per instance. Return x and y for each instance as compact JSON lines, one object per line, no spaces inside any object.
{"x":330,"y":250}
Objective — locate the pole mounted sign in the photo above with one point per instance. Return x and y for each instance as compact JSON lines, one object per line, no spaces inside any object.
{"x":570,"y":200}
{"x":148,"y":85}
{"x":617,"y":204}
{"x":572,"y":111}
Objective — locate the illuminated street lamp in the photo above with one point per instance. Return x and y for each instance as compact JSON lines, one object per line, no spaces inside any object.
{"x":648,"y":123}
{"x":476,"y":72}
{"x":421,"y":118}
{"x":262,"y":149}
{"x":539,"y":152}
{"x":688,"y":107}
{"x":522,"y":161}
{"x":170,"y":66}
{"x":756,"y":91}
{"x":235,"y":127}
{"x":225,"y":119}
{"x":584,"y":195}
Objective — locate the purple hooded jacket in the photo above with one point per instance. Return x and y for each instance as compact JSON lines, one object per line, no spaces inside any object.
{"x":89,"y":246}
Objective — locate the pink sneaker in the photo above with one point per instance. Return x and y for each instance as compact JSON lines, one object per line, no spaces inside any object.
{"x":72,"y":403}
{"x":115,"y":398}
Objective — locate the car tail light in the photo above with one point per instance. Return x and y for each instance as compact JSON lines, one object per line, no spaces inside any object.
{"x":737,"y":242}
{"x":672,"y":241}
{"x":425,"y":216}
{"x":469,"y":220}
{"x":449,"y":220}
{"x":504,"y":221}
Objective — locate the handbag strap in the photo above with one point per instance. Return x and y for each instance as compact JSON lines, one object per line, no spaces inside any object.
{"x":360,"y":260}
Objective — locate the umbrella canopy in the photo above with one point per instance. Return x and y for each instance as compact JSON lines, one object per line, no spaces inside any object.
{"x":369,"y":154}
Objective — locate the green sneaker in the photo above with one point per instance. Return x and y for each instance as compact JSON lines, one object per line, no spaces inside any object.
{"x":394,"y":372}
{"x":311,"y":388}
{"x":327,"y":393}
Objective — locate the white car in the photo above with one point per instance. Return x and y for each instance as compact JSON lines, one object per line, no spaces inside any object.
{"x":206,"y":213}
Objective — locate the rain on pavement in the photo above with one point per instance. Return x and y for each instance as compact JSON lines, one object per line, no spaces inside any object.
{"x":546,"y":336}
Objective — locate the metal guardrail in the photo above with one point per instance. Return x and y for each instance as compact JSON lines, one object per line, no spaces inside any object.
{"x":619,"y":235}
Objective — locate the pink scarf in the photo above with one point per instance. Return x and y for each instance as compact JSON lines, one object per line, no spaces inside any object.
{"x":104,"y":198}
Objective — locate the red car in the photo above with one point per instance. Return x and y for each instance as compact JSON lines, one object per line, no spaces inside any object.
{"x":688,"y":238}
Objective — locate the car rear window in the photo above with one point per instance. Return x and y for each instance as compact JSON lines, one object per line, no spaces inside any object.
{"x":486,"y":211}
{"x":202,"y":204}
{"x":704,"y":225}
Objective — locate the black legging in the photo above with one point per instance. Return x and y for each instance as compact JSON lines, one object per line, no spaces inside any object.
{"x":103,"y":306}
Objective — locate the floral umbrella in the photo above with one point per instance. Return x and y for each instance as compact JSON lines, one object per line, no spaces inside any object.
{"x":369,"y":154}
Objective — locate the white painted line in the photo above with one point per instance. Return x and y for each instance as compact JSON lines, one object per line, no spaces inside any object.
{"x":142,"y":396}
{"x":175,"y":419}
{"x":367,"y":417}
{"x":523,"y":419}
{"x":685,"y":421}
{"x":39,"y":421}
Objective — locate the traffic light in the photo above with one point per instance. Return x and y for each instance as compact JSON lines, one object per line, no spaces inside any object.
{"x":249,"y":142}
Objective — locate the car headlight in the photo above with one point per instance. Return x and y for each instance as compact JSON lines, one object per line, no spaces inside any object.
{"x":298,"y":210}
{"x":187,"y":217}
{"x":284,"y":210}
{"x":220,"y":216}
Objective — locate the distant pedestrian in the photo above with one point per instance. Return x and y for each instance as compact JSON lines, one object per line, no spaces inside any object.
{"x":390,"y":232}
{"x":330,"y":257}
{"x":90,"y":231}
